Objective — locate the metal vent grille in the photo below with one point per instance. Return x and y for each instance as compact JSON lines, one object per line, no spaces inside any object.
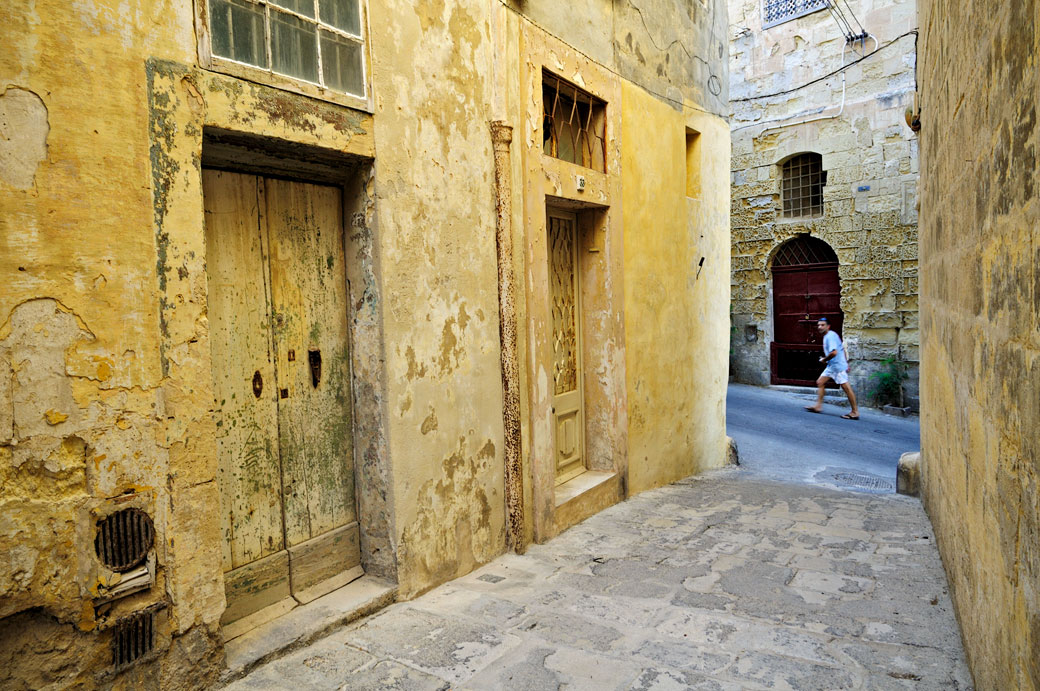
{"x":778,"y":11}
{"x":124,"y":538}
{"x":133,"y":638}
{"x":804,"y":251}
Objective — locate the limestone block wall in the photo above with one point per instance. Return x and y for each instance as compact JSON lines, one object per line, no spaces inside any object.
{"x":980,"y":324}
{"x":870,"y":157}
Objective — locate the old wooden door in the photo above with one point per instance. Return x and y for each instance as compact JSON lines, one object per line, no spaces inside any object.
{"x":279,"y":342}
{"x":565,"y":296}
{"x":805,"y":287}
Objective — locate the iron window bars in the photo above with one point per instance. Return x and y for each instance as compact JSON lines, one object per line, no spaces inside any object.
{"x":316,"y":41}
{"x":779,"y":11}
{"x":573,"y":124}
{"x":802,"y":190}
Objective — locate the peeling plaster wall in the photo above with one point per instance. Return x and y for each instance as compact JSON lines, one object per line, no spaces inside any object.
{"x":105,"y":384}
{"x":676,"y":267}
{"x":656,"y":79}
{"x":871,"y":160}
{"x":980,"y":324}
{"x":434,"y":179}
{"x":82,"y":405}
{"x":105,"y":367}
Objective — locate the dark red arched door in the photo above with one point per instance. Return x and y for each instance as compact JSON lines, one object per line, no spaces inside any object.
{"x":805,"y":288}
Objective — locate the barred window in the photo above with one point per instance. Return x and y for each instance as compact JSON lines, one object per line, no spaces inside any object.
{"x":803,"y":181}
{"x":316,"y":41}
{"x":779,"y":11}
{"x":573,"y":124}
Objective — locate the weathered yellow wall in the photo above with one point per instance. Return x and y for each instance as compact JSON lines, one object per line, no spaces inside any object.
{"x":80,"y":372}
{"x":105,"y":368}
{"x":436,"y":221}
{"x":980,"y":324}
{"x":676,"y":308}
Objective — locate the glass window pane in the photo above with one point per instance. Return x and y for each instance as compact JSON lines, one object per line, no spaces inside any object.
{"x":294,"y":46}
{"x":304,"y":7}
{"x":341,"y":63}
{"x":237,"y":29}
{"x":342,"y":14}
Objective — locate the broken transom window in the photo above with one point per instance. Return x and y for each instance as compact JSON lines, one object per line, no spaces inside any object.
{"x":573,"y":124}
{"x":779,"y":11}
{"x":803,"y":181}
{"x":316,"y":41}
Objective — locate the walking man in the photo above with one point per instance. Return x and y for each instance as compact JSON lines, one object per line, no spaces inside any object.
{"x":837,"y":368}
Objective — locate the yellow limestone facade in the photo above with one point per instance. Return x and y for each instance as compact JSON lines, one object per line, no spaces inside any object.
{"x":980,"y":324}
{"x":130,"y":156}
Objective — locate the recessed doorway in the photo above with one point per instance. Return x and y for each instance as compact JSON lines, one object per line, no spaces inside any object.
{"x":568,"y":400}
{"x":277,"y":296}
{"x":806,"y":287}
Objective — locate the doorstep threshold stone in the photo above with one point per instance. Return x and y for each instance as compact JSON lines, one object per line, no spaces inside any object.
{"x":580,"y":484}
{"x":305,"y":624}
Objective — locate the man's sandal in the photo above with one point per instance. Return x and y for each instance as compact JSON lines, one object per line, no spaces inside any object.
{"x":811,"y":409}
{"x":849,"y":416}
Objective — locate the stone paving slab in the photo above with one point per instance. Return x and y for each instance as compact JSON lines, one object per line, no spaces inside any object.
{"x":721,"y":581}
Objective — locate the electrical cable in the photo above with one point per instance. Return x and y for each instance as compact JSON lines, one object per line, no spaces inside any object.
{"x":714,"y":83}
{"x":845,"y":29}
{"x":841,"y":69}
{"x":844,"y":19}
{"x":853,"y":14}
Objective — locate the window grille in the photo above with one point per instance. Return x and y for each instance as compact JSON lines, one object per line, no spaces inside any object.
{"x":779,"y":11}
{"x":804,"y":251}
{"x":316,"y":41}
{"x":573,"y":124}
{"x":803,"y":181}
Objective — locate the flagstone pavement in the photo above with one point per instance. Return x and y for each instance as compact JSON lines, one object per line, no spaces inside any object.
{"x":721,"y":581}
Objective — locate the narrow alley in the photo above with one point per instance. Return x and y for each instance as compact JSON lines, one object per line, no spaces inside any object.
{"x":466,"y":344}
{"x":729,"y":580}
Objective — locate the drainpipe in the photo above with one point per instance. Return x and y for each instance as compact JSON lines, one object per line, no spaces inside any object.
{"x":501,"y":136}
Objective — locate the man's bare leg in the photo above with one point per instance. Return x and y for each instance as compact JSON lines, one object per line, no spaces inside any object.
{"x":820,"y":384}
{"x":847,"y":388}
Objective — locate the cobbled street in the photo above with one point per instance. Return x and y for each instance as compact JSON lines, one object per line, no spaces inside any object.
{"x":722,"y":581}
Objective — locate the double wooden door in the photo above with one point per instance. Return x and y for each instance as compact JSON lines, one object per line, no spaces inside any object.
{"x":568,"y":400}
{"x":278,"y":330}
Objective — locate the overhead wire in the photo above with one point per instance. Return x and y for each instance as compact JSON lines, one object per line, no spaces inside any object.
{"x":853,"y":14}
{"x":912,"y":32}
{"x":843,"y":26}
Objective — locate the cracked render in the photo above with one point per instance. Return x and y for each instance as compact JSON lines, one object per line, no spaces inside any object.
{"x":717,"y":582}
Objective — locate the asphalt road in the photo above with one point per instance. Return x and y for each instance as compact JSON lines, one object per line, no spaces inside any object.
{"x":778,"y":440}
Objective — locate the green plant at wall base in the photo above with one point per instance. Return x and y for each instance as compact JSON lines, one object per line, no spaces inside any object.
{"x":887,"y":384}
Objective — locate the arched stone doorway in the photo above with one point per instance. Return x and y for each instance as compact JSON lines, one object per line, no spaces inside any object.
{"x":805,"y":288}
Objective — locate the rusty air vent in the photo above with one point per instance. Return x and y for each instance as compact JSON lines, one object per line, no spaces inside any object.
{"x":124,"y":538}
{"x":133,"y":638}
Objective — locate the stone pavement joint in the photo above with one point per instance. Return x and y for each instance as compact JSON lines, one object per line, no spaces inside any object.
{"x":721,"y":581}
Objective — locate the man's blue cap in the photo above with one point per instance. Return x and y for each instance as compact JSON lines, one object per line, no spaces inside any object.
{"x":823,"y":319}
